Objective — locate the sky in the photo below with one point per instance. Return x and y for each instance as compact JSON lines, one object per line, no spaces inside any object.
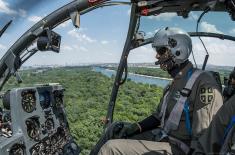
{"x":102,"y":34}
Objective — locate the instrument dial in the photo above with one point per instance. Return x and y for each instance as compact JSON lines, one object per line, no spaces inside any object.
{"x":28,"y":101}
{"x":33,"y":129}
{"x":53,"y":139}
{"x":44,"y":99}
{"x":36,"y":149}
{"x":49,"y":124}
{"x":58,"y":97}
{"x":17,"y":149}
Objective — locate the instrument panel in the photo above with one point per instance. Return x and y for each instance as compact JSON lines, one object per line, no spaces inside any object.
{"x":45,"y":99}
{"x":28,"y":100}
{"x":37,"y":124}
{"x":17,"y":149}
{"x":33,"y":128}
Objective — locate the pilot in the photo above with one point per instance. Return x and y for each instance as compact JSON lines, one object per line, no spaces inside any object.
{"x":219,"y":138}
{"x":229,"y":89}
{"x":185,"y":111}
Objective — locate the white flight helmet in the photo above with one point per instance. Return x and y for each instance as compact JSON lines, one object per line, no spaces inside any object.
{"x":176,"y":40}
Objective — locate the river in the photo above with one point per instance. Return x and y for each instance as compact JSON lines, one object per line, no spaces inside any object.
{"x":161,"y":82}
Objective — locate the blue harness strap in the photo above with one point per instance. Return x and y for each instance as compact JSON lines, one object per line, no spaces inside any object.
{"x":189,"y":74}
{"x":186,"y":108}
{"x":187,"y":117}
{"x":228,"y":128}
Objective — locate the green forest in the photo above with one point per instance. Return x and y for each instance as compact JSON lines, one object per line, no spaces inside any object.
{"x":86,"y":98}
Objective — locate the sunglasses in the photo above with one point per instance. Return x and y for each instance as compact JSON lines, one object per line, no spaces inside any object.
{"x":161,"y":50}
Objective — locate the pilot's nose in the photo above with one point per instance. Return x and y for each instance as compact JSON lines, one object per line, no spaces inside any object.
{"x":157,"y":56}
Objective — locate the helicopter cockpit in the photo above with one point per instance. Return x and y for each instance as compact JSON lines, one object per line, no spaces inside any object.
{"x":33,"y":119}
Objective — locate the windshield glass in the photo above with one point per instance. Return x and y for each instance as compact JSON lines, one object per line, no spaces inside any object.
{"x":221,"y":51}
{"x":209,"y":23}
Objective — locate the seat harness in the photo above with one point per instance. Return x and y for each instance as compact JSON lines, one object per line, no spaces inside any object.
{"x":182,"y":104}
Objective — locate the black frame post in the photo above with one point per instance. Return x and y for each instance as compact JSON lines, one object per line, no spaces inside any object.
{"x":123,"y":62}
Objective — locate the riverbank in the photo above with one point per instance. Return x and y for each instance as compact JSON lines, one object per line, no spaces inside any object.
{"x":138,"y":78}
{"x":147,"y":76}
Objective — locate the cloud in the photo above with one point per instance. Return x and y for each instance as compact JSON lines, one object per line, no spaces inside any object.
{"x":193,"y":16}
{"x":221,"y":51}
{"x":129,"y":12}
{"x":164,"y":16}
{"x":34,"y":19}
{"x":80,"y":36}
{"x":142,"y":54}
{"x":4,"y":8}
{"x":2,"y":47}
{"x":151,"y":34}
{"x":144,"y":48}
{"x":22,"y":13}
{"x":66,"y":48}
{"x":209,"y":28}
{"x":74,"y":48}
{"x":64,"y":24}
{"x":232,"y":31}
{"x":84,"y":49}
{"x":104,"y":42}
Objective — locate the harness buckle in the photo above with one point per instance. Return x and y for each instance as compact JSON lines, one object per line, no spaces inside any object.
{"x":159,"y":134}
{"x":185,"y":92}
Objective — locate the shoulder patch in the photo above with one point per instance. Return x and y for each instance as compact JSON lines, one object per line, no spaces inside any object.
{"x":207,"y":95}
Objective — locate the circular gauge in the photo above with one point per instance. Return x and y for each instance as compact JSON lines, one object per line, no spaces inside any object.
{"x":33,"y":129}
{"x":44,"y":99}
{"x":49,"y":124}
{"x":17,"y":149}
{"x":58,"y":101}
{"x":6,"y":100}
{"x":6,"y":116}
{"x":47,"y":145}
{"x":28,"y":101}
{"x":36,"y":149}
{"x":60,"y":132}
{"x":58,"y":96}
{"x":53,"y":139}
{"x":59,"y":151}
{"x":35,"y":152}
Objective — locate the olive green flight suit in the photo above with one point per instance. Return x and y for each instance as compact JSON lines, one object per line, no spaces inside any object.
{"x":212,"y":140}
{"x":204,"y":101}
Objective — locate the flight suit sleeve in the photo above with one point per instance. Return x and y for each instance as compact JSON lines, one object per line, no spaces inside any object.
{"x":156,"y":114}
{"x":153,"y":120}
{"x":208,"y":100}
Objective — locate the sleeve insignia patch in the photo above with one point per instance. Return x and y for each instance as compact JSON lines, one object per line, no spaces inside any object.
{"x":207,"y":95}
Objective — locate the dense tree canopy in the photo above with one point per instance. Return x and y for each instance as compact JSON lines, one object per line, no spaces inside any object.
{"x":86,"y":98}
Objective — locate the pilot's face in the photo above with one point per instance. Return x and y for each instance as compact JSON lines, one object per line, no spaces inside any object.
{"x":161,"y":52}
{"x":164,"y":57}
